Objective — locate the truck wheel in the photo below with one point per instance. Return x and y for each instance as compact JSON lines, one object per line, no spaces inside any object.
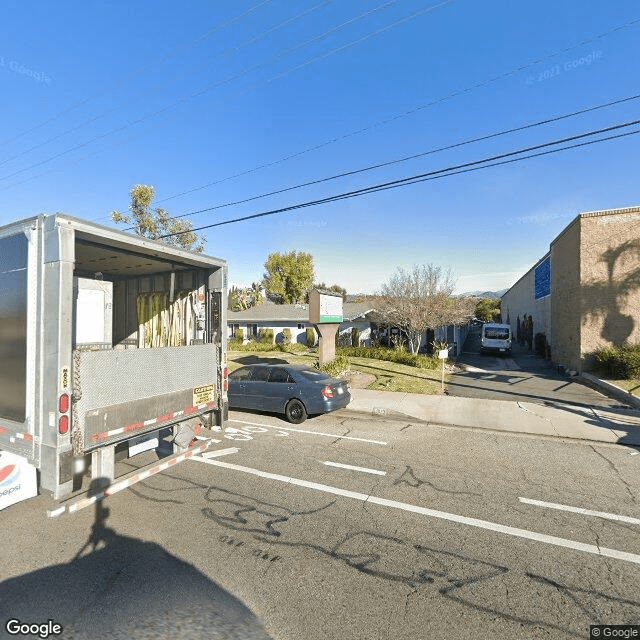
{"x":295,"y":411}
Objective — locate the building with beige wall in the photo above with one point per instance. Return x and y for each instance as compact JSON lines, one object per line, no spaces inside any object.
{"x":584,"y":294}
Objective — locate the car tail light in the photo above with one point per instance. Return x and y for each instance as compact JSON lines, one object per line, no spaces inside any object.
{"x":327,"y":392}
{"x":63,"y":424}
{"x":64,"y":403}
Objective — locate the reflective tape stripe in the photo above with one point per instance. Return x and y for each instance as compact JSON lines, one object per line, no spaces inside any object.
{"x":147,"y":423}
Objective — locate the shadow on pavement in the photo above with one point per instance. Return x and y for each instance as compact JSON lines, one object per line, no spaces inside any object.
{"x":120,"y":587}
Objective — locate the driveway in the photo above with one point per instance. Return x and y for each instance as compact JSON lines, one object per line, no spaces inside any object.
{"x":522,"y":377}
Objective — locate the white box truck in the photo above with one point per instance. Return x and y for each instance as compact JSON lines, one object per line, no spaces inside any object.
{"x":106,"y":339}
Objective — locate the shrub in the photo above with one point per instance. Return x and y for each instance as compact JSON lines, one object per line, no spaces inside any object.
{"x":254,"y":346}
{"x":265,"y":336}
{"x":622,"y":363}
{"x":392,"y":355}
{"x":294,"y":347}
{"x":335,"y":367}
{"x":239,"y":335}
{"x":286,"y":336}
{"x":311,"y":337}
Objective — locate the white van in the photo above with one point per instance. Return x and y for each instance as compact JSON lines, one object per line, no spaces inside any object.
{"x":496,"y":337}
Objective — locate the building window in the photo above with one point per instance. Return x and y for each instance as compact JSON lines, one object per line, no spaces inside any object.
{"x":300,"y":326}
{"x":252,"y":330}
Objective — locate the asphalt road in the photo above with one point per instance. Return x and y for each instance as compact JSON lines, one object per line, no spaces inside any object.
{"x":522,"y":377}
{"x":348,"y":526}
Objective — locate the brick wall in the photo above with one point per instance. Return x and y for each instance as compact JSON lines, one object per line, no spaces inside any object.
{"x":610,"y":279}
{"x":566,"y":296}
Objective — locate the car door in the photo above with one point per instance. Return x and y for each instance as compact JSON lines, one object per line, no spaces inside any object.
{"x":282,"y":387}
{"x":257,"y":388}
{"x":238,"y":383}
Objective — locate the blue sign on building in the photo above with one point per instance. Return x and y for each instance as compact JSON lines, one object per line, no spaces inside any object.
{"x":542,"y":279}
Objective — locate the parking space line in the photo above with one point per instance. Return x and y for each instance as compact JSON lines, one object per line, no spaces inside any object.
{"x":584,"y":512}
{"x":352,"y":468}
{"x":314,"y":433}
{"x":442,"y":515}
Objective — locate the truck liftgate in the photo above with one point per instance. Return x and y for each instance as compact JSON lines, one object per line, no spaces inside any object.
{"x":106,"y":337}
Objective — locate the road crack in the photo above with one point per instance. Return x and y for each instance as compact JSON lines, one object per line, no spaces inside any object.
{"x":618,"y":474}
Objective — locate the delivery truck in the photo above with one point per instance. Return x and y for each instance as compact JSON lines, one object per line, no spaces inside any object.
{"x":108,"y":341}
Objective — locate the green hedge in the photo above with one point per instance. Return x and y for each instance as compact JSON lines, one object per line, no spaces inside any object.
{"x":392,"y":355}
{"x":266,"y":346}
{"x":335,"y":367}
{"x":621,"y":363}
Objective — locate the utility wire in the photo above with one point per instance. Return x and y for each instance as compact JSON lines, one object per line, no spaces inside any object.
{"x":226,"y":52}
{"x":142,"y":70}
{"x":229,"y":79}
{"x":407,"y":113}
{"x":439,"y":173}
{"x":411,"y":157}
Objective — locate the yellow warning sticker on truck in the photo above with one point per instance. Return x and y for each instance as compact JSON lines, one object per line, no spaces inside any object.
{"x":202,"y":395}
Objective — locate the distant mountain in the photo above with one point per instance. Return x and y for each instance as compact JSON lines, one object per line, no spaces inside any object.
{"x":486,"y":294}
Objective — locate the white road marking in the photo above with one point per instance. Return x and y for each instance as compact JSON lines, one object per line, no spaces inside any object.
{"x":315,"y":433}
{"x":352,"y":468}
{"x":217,"y":453}
{"x":585,"y":512}
{"x":442,"y":515}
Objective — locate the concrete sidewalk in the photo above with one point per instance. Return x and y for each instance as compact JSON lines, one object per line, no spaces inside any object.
{"x":611,"y":424}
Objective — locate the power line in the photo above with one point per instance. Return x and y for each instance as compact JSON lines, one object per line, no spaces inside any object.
{"x":439,"y":173}
{"x":142,"y":70}
{"x":411,"y":157}
{"x":211,"y":86}
{"x":407,"y":113}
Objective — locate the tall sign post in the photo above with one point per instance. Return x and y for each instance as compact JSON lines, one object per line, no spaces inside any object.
{"x":325,"y":313}
{"x":443,"y":354}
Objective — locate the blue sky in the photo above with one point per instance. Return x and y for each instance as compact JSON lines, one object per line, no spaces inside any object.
{"x":215,"y":102}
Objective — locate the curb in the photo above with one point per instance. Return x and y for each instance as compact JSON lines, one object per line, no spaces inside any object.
{"x":610,"y":389}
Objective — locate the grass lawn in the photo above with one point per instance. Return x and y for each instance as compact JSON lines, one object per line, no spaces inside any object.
{"x":389,"y":376}
{"x":627,"y":385}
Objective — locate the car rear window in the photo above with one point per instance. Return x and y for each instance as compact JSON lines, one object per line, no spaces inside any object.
{"x":309,"y":374}
{"x":240,"y":374}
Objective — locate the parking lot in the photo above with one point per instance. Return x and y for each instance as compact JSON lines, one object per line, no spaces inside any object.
{"x":522,"y":377}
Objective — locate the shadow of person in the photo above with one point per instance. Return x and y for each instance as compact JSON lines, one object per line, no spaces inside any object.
{"x":123,"y":588}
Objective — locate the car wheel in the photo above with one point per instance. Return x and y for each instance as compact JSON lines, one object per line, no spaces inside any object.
{"x":295,"y":411}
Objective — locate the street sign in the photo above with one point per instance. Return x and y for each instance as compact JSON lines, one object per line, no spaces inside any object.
{"x":443,"y":354}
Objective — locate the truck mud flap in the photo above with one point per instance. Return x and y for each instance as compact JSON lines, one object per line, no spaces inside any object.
{"x":139,"y":475}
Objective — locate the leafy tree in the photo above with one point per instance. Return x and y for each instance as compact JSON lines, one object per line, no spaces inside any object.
{"x":241,"y":299}
{"x":421,"y":299}
{"x":288,"y":276}
{"x":155,"y":223}
{"x":488,"y":310}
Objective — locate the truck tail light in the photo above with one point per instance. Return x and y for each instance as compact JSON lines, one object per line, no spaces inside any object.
{"x":63,"y":424}
{"x":64,"y":403}
{"x":327,"y":392}
{"x":225,"y":375}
